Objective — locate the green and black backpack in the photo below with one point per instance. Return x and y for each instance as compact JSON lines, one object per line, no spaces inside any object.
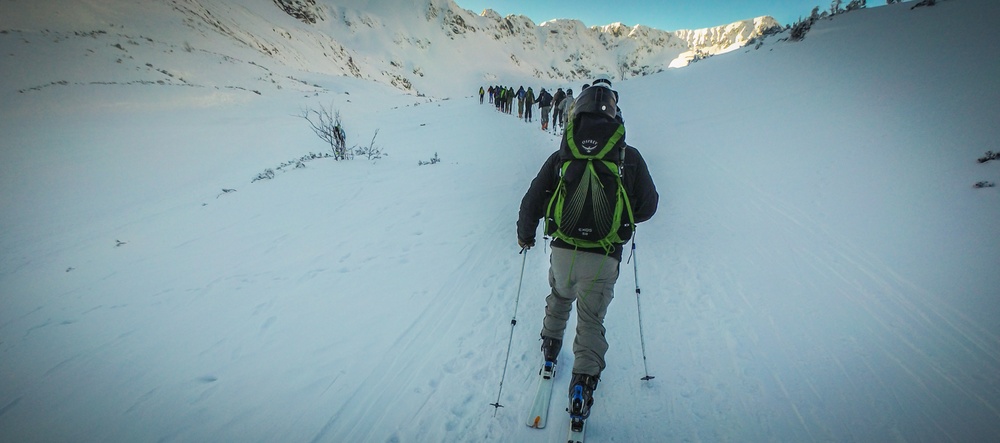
{"x":589,"y":207}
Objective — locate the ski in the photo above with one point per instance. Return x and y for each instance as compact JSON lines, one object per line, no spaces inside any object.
{"x":540,"y":407}
{"x":577,"y":428}
{"x":577,"y":414}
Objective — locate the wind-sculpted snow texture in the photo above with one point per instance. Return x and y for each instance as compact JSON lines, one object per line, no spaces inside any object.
{"x":820,"y":269}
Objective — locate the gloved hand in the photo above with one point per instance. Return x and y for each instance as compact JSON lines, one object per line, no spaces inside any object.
{"x":526,"y":244}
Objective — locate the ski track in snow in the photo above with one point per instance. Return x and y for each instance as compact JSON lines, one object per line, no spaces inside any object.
{"x":735,"y":358}
{"x":365,"y":415}
{"x":803,"y":390}
{"x":372,"y":302}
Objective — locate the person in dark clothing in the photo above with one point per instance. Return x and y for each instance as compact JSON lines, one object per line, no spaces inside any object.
{"x":529,"y":101}
{"x":520,"y":101}
{"x":544,"y":105}
{"x":586,"y":276}
{"x":557,"y":99}
{"x":510,"y":100}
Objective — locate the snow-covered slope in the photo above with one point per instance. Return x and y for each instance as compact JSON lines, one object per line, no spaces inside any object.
{"x":820,"y":269}
{"x":400,"y":43}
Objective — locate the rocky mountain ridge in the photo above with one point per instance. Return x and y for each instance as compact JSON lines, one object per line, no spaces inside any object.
{"x":405,"y":44}
{"x":553,"y":50}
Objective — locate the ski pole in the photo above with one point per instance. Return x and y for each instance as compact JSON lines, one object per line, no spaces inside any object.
{"x":638,"y":307}
{"x":513,"y":322}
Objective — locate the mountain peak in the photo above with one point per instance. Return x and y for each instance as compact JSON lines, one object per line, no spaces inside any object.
{"x":421,"y":47}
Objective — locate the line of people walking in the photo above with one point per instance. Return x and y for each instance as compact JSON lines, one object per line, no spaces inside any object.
{"x":558,"y":104}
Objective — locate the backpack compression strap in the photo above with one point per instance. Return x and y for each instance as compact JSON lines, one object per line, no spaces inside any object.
{"x":554,"y":211}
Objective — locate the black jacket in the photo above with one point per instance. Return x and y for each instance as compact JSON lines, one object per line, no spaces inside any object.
{"x":638,"y":185}
{"x":544,"y":99}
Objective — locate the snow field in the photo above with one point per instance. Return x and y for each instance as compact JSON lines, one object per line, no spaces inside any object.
{"x":820,"y":267}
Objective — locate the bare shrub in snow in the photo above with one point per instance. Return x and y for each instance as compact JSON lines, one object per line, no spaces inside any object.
{"x":325,"y":123}
{"x":435,"y":159}
{"x":990,"y":155}
{"x":371,"y":152}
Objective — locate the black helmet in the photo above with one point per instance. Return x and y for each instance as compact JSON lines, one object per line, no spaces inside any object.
{"x":596,"y":100}
{"x":602,"y":79}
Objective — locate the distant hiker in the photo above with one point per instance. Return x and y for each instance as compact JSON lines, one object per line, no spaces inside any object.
{"x":557,"y":99}
{"x":520,"y":102}
{"x":529,"y":101}
{"x":482,"y":92}
{"x":490,"y":91}
{"x":564,"y":107}
{"x":544,"y":105}
{"x":593,"y":161}
{"x":510,"y":100}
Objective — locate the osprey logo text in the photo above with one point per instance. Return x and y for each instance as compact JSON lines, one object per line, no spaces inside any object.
{"x":589,"y":145}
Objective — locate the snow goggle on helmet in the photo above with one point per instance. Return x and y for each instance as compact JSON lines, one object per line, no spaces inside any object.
{"x":597,"y":99}
{"x":602,"y":81}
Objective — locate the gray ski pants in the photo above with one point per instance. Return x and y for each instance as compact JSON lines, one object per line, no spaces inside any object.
{"x":589,"y":279}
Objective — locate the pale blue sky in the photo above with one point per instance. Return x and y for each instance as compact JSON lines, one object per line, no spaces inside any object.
{"x":667,"y":15}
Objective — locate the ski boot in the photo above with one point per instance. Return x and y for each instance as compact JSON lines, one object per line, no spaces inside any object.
{"x":581,"y":398}
{"x":550,"y":348}
{"x":550,"y":352}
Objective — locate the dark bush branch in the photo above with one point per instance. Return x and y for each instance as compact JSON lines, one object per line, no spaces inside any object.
{"x":371,"y":152}
{"x":325,"y":123}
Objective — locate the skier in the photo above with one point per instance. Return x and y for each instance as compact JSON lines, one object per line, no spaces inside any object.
{"x":564,"y":108}
{"x":544,"y":105}
{"x":510,"y":100}
{"x":482,"y":93}
{"x":557,"y":99}
{"x":520,"y":102}
{"x":586,"y":275}
{"x":529,"y":101}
